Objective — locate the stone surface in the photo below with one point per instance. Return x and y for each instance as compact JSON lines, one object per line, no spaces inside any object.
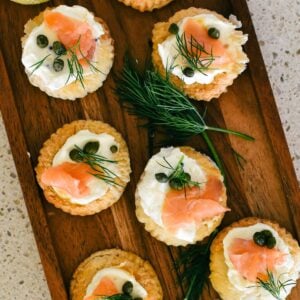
{"x":277,"y":26}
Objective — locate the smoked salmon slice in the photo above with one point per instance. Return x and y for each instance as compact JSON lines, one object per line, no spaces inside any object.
{"x":195,"y":204}
{"x":253,"y":261}
{"x":106,"y":287}
{"x":70,"y":177}
{"x":71,"y":31}
{"x":197,"y":30}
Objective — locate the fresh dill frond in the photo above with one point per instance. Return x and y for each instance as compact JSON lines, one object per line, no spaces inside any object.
{"x":38,"y":64}
{"x":194,"y":261}
{"x":96,"y":162}
{"x":274,"y":286}
{"x":196,"y":56}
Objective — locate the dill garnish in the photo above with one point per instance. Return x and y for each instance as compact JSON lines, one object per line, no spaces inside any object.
{"x":274,"y":286}
{"x":38,"y":64}
{"x":196,"y":56}
{"x":96,"y":162}
{"x":195,"y":262}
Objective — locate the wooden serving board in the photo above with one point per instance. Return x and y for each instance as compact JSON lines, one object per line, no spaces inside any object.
{"x":266,"y":186}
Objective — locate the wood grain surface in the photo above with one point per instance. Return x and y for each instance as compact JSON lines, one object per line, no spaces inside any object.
{"x":265,"y":186}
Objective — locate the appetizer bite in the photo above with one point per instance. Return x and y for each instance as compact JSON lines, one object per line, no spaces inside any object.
{"x":180,"y":197}
{"x":84,"y":167}
{"x":67,"y":52}
{"x":200,"y":50}
{"x":254,"y":259}
{"x":29,"y":2}
{"x":146,"y":5}
{"x":115,"y":274}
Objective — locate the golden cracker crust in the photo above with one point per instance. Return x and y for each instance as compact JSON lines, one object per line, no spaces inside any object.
{"x":139,"y":268}
{"x":104,"y":57}
{"x":57,"y":140}
{"x":146,"y":5}
{"x":206,"y":227}
{"x":205,"y":92}
{"x":218,"y":267}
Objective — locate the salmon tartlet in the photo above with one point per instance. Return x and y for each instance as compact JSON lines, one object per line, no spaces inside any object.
{"x":180,"y":197}
{"x":118,"y":273}
{"x":67,"y":52}
{"x":200,"y":51}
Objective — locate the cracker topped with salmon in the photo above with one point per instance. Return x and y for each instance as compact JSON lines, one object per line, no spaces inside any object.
{"x":115,"y":274}
{"x":67,"y":52}
{"x":200,"y":50}
{"x":84,"y":167}
{"x":180,"y":197}
{"x":254,"y":259}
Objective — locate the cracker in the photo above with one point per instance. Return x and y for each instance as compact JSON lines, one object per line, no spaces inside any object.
{"x":146,"y":5}
{"x":218,"y":267}
{"x":52,"y":146}
{"x":198,"y":91}
{"x":127,"y":261}
{"x":103,"y":60}
{"x":206,"y":228}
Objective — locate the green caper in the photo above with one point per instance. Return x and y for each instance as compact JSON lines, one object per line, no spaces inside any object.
{"x":214,"y":33}
{"x":127,"y":288}
{"x":187,"y":176}
{"x":75,"y":156}
{"x":42,"y":41}
{"x":173,"y":28}
{"x":58,"y":65}
{"x":271,"y":242}
{"x":59,"y":48}
{"x":91,"y":147}
{"x":259,"y":239}
{"x":189,"y":72}
{"x":113,"y":149}
{"x":176,"y":184}
{"x":267,"y":233}
{"x":161,"y":177}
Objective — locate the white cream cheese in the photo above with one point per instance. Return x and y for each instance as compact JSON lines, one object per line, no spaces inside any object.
{"x":119,"y":277}
{"x":246,"y":290}
{"x":97,"y":186}
{"x":153,"y":193}
{"x":32,"y":53}
{"x":176,"y":63}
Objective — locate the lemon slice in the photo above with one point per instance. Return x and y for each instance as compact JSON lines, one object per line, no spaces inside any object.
{"x":29,"y":2}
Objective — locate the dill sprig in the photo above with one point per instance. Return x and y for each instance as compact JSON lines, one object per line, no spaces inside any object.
{"x":196,"y":56}
{"x":156,"y":98}
{"x":38,"y":64}
{"x":178,"y":174}
{"x":96,"y":162}
{"x":274,"y":286}
{"x":195,"y":262}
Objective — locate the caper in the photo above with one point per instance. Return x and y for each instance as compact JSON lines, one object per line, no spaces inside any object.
{"x":59,"y":48}
{"x":161,"y":177}
{"x":127,"y":288}
{"x":173,"y":28}
{"x":113,"y":149}
{"x":259,"y":239}
{"x":42,"y":41}
{"x":271,"y":242}
{"x":74,"y":155}
{"x":187,"y":176}
{"x":189,"y":72}
{"x":176,"y":184}
{"x":214,"y":33}
{"x":58,"y":65}
{"x":267,"y":233}
{"x":91,"y":147}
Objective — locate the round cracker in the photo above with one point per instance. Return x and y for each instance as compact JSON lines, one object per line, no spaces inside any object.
{"x":199,"y":91}
{"x":206,"y":227}
{"x":127,"y":261}
{"x":57,"y":140}
{"x":146,"y":5}
{"x":102,"y":60}
{"x":218,"y":267}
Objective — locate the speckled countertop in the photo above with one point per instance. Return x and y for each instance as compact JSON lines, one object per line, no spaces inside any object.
{"x":277,"y":24}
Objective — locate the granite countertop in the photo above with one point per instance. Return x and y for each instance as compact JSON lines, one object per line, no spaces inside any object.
{"x":277,"y":23}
